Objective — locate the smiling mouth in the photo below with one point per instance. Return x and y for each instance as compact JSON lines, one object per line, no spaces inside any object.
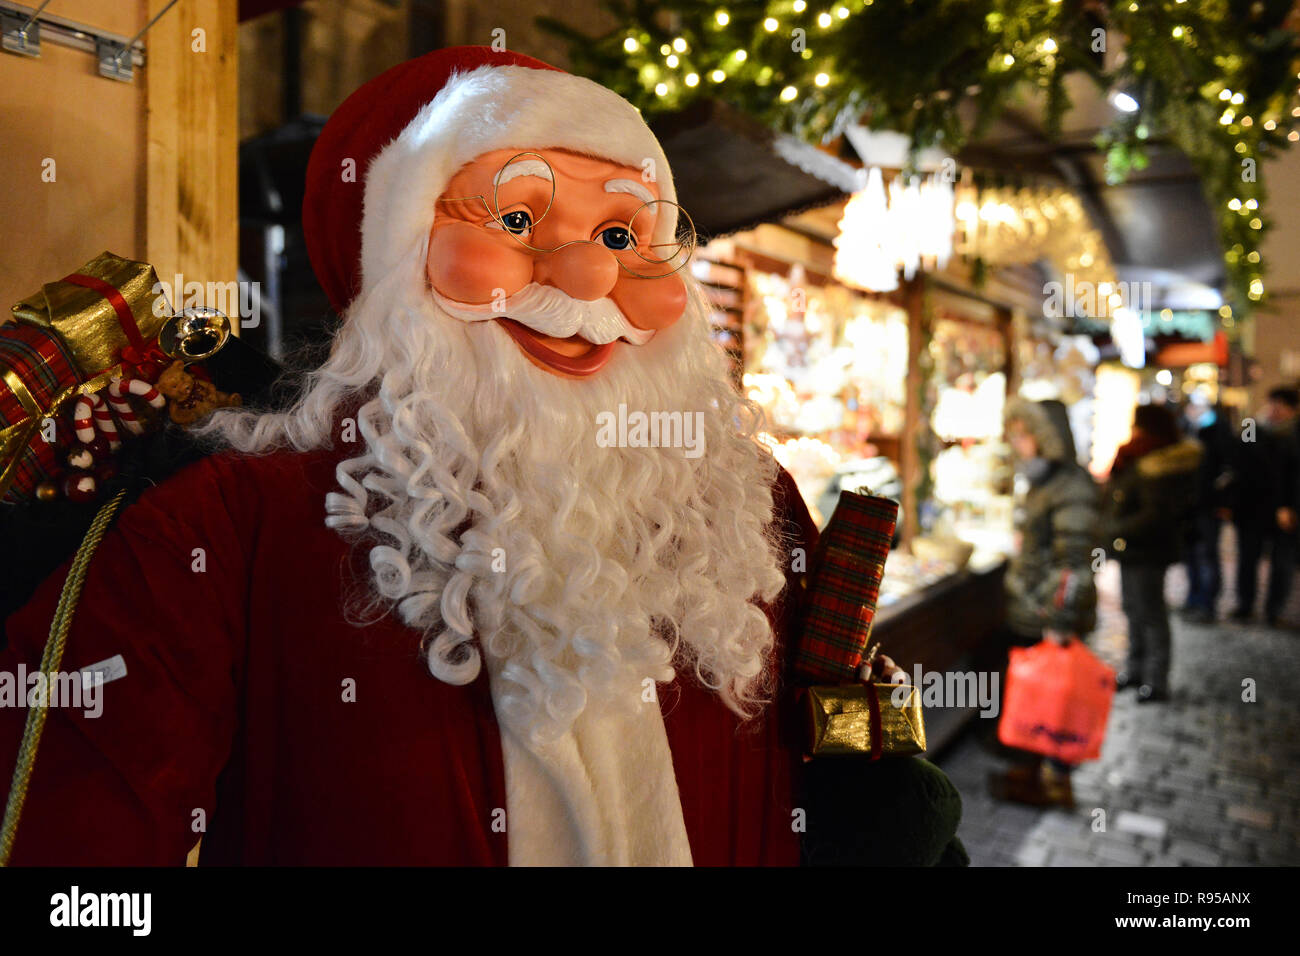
{"x":573,"y":356}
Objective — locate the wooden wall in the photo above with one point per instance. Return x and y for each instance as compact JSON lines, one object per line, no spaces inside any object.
{"x":145,"y":169}
{"x":58,"y":108}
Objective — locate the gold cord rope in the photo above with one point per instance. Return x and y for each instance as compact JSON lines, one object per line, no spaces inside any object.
{"x":50,"y":661}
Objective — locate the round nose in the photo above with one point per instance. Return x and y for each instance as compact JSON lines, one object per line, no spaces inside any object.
{"x":584,"y":270}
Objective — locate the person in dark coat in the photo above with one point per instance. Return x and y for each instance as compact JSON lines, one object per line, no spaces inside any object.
{"x":1148,"y":504}
{"x":1214,"y":482}
{"x":1265,"y":508}
{"x":1050,"y":590}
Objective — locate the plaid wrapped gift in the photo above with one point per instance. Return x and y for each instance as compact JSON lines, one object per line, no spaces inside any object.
{"x":847,"y":571}
{"x":35,"y":368}
{"x":71,"y":337}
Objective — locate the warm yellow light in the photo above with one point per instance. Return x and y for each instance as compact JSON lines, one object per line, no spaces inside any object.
{"x":1252,"y":203}
{"x":717,"y":76}
{"x":1234,"y":204}
{"x":1293,"y":136}
{"x":692,"y":79}
{"x":788,"y":94}
{"x":1048,"y":45}
{"x":823,"y":20}
{"x":770,"y":24}
{"x":821,"y":79}
{"x":722,"y":17}
{"x":842,"y":12}
{"x":1256,"y":224}
{"x":1008,"y":60}
{"x":741,"y":56}
{"x":1225,"y":311}
{"x":631,"y":45}
{"x":1270,"y":125}
{"x":800,"y":6}
{"x":1225,"y":94}
{"x":1247,"y":121}
{"x":679,"y":45}
{"x":1253,"y":257}
{"x":1178,"y":33}
{"x":665,"y":49}
{"x":672,"y":60}
{"x":661,"y":89}
{"x":1238,"y":99}
{"x":1256,"y":288}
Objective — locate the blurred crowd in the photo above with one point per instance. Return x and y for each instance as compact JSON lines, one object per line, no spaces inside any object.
{"x":1184,"y":475}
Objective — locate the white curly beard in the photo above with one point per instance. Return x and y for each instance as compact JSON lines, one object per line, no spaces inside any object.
{"x":503,"y":529}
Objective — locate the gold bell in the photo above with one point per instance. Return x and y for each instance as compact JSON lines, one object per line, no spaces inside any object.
{"x":195,"y":334}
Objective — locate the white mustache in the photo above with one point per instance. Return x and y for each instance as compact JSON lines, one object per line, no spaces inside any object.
{"x":550,"y":311}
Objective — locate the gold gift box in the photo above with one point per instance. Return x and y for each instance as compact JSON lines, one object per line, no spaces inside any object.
{"x":844,"y":720}
{"x":86,"y":321}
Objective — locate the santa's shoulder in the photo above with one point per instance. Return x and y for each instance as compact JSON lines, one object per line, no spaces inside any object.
{"x":245,"y":486}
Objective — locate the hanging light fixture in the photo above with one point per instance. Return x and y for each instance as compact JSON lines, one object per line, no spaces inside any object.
{"x":938,"y":222}
{"x":905,"y":225}
{"x":862,"y":249}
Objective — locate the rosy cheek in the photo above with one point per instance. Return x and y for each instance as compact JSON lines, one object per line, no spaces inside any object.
{"x":467,"y":264}
{"x":651,"y":303}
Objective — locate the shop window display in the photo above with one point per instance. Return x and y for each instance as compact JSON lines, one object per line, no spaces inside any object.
{"x":829,"y":368}
{"x":971,"y":473}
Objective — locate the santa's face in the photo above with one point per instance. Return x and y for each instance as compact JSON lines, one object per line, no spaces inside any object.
{"x":557,"y":247}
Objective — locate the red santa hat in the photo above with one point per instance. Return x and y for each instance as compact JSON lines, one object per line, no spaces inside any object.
{"x":389,"y":151}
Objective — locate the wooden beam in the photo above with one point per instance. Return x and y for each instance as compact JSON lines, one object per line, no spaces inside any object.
{"x":192,"y":128}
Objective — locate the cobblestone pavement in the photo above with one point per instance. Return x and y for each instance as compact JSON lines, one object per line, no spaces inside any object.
{"x":1204,"y":779}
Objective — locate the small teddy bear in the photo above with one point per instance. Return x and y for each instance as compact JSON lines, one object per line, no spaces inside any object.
{"x":189,"y":397}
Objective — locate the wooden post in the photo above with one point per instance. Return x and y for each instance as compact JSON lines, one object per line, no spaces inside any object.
{"x":191,"y":77}
{"x":1007,"y":326}
{"x":913,"y":294}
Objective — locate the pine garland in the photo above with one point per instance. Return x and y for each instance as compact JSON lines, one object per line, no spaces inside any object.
{"x":1216,"y":78}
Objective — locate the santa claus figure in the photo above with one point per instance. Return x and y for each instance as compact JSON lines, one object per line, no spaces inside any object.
{"x":433,"y":613}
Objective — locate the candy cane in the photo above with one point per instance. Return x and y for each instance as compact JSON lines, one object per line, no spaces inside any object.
{"x":133,"y":386}
{"x":141,"y":388}
{"x":88,"y":413}
{"x":125,"y":414}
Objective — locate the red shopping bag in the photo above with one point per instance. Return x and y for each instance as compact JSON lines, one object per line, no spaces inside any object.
{"x":1057,"y":701}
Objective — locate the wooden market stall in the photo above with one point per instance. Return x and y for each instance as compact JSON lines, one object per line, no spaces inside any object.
{"x":766,"y":259}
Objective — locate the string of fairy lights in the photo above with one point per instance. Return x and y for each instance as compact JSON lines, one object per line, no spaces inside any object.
{"x":799,"y":64}
{"x":679,"y":72}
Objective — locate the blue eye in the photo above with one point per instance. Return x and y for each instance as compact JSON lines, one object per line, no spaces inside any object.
{"x":616,"y":237}
{"x":517,"y":223}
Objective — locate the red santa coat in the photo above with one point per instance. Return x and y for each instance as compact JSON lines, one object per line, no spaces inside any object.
{"x":232,"y":721}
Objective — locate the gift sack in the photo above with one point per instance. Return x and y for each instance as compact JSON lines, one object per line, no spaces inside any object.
{"x":1057,"y":701}
{"x":70,"y":338}
{"x":847,"y":571}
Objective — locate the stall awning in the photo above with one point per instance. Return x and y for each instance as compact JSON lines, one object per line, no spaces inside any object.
{"x":733,"y":173}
